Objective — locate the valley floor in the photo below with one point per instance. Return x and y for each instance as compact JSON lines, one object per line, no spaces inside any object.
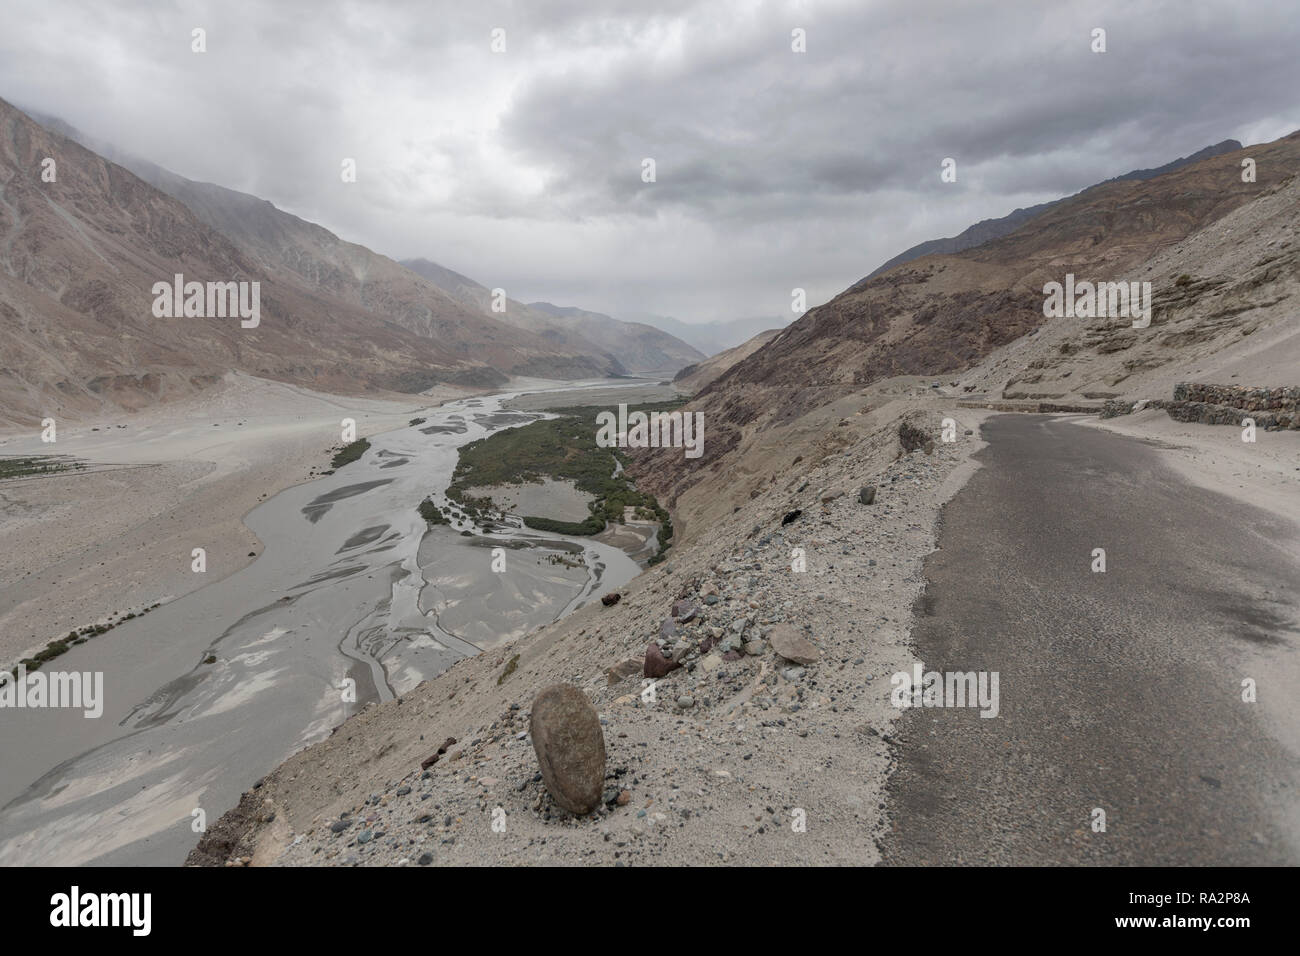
{"x":733,"y":750}
{"x":745,"y":758}
{"x":89,"y":547}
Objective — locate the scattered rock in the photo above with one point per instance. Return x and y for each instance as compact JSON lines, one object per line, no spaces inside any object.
{"x":655,"y":664}
{"x":570,"y":747}
{"x":867,"y":495}
{"x":610,"y":599}
{"x":791,"y":516}
{"x":622,"y":671}
{"x":912,"y":437}
{"x":430,"y":761}
{"x":792,"y":645}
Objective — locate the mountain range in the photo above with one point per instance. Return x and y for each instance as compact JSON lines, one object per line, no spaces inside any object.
{"x":631,"y":346}
{"x":713,"y":337}
{"x":87,"y":234}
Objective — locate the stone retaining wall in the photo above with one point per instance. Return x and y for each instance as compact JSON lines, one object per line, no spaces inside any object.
{"x":1284,"y":400}
{"x":1271,"y":408}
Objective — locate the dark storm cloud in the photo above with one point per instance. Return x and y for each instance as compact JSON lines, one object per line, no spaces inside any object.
{"x":775,"y":169}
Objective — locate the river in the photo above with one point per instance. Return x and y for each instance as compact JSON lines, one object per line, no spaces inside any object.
{"x":209,"y":692}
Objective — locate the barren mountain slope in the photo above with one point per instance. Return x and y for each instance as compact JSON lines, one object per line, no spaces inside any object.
{"x":312,"y":256}
{"x":641,"y":347}
{"x":943,"y":314}
{"x":989,"y":229}
{"x":78,"y":260}
{"x":693,"y":378}
{"x":628,"y":346}
{"x":1225,"y":313}
{"x":479,"y":299}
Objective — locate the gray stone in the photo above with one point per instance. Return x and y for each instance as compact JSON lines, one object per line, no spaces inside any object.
{"x":570,"y":747}
{"x":867,"y":495}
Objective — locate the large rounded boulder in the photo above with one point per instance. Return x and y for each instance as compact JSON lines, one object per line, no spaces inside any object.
{"x":570,"y":747}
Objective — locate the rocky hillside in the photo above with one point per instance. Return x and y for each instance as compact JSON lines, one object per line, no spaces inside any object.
{"x":628,"y":347}
{"x":694,"y":377}
{"x":713,"y":337}
{"x":294,"y":252}
{"x":1225,"y":302}
{"x":989,"y":229}
{"x":943,"y":315}
{"x":78,"y":260}
{"x":642,"y":348}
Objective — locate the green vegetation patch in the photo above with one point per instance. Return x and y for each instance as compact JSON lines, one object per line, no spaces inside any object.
{"x":350,"y":453}
{"x":510,"y":669}
{"x":37,"y":465}
{"x":562,"y":448}
{"x":432,"y":513}
{"x":60,"y":645}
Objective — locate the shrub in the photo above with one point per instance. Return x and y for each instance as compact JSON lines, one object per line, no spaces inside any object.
{"x":431,"y":512}
{"x":350,"y":453}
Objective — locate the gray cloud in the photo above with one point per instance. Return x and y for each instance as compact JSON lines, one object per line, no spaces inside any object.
{"x":775,"y":169}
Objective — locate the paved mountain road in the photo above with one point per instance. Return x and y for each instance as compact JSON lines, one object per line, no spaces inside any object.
{"x":1119,"y":690}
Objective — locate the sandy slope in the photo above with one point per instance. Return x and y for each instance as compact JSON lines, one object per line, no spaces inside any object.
{"x":82,"y":547}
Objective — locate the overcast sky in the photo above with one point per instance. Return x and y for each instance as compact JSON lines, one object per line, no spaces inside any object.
{"x":775,"y":169}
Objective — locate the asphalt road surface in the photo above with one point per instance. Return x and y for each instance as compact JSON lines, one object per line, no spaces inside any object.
{"x":1119,"y":691}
